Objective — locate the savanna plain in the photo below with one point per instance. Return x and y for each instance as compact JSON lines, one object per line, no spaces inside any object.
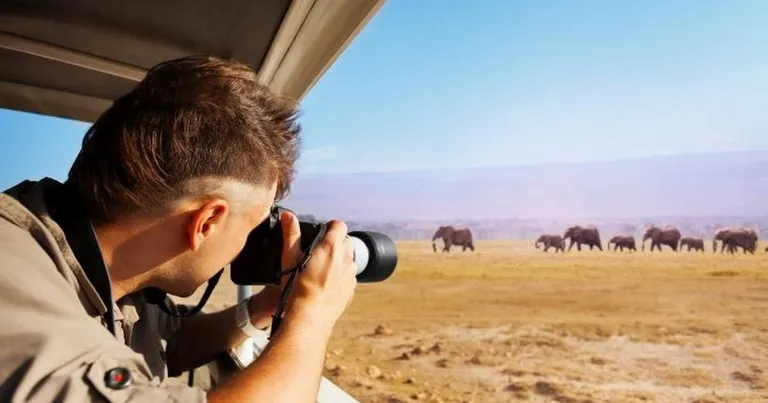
{"x":511,"y":323}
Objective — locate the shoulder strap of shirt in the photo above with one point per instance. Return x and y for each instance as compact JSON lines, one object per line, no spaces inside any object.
{"x":67,"y":212}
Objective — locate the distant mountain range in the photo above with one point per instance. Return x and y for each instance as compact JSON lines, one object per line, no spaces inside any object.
{"x":701,"y":192}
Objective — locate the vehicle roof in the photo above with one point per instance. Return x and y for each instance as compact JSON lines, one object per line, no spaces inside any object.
{"x":72,"y":58}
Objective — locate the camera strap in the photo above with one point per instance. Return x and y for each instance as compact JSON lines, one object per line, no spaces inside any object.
{"x":277,"y":318}
{"x":160,"y":298}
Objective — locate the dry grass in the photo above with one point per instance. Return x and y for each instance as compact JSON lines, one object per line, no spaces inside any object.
{"x":513,"y":323}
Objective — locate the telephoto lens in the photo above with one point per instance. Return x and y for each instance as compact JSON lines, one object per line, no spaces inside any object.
{"x":259,"y":263}
{"x":375,"y":256}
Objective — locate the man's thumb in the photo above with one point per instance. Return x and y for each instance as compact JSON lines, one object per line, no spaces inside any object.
{"x":291,"y":240}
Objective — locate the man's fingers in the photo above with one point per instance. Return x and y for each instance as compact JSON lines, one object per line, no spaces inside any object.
{"x":291,"y":240}
{"x":336,"y":231}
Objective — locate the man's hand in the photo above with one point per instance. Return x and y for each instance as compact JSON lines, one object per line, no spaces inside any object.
{"x":290,"y":367}
{"x":325,"y":288}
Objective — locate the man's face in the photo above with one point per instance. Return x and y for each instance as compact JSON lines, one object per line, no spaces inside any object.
{"x":216,"y":233}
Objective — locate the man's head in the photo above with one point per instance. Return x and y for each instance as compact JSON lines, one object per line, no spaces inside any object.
{"x":177,"y":172}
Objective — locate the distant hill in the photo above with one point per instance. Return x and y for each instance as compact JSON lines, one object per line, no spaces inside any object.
{"x":701,"y":192}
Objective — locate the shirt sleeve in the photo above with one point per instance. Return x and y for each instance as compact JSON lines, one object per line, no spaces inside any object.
{"x":51,"y":350}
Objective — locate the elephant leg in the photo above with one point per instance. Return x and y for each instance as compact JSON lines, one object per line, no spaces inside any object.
{"x":578,"y":246}
{"x":591,"y":246}
{"x":570,"y":245}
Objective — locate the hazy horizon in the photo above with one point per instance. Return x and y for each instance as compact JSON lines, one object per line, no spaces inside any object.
{"x":729,"y":184}
{"x":745,"y":152}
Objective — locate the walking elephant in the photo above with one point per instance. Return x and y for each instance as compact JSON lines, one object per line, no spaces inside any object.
{"x":662,"y":235}
{"x":587,"y":235}
{"x":551,"y":241}
{"x":622,"y":241}
{"x":458,"y":236}
{"x":733,"y":238}
{"x":696,"y":244}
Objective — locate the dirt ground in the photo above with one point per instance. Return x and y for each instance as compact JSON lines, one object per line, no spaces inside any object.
{"x":511,"y":323}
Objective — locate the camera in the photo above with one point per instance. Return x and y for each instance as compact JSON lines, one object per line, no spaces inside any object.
{"x":259,"y":263}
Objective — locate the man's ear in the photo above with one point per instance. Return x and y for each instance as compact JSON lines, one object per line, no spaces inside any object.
{"x":205,"y":221}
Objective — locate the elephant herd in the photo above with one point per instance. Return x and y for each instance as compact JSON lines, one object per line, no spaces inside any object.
{"x":730,"y":239}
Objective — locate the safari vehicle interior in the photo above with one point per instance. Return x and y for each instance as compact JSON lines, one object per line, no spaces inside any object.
{"x":72,"y":58}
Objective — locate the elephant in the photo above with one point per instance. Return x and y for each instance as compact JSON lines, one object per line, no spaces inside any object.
{"x":622,"y":241}
{"x":697,"y":244}
{"x":745,"y":238}
{"x":665,"y":235}
{"x":587,"y":235}
{"x":733,"y":238}
{"x":551,"y":241}
{"x":459,"y":236}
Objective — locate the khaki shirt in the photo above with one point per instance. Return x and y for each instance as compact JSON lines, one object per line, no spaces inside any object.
{"x":54,"y":345}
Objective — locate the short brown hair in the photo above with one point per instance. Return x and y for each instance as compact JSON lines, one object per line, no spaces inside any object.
{"x":189,"y":118}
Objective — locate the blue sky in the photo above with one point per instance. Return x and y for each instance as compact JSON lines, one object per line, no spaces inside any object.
{"x":447,"y":83}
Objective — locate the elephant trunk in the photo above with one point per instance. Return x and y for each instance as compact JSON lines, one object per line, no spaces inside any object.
{"x":646,"y":237}
{"x":714,"y":246}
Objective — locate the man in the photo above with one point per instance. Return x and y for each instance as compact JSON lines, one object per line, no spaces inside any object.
{"x":172,"y":178}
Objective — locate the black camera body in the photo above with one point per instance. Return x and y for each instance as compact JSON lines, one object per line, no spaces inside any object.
{"x":259,"y":263}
